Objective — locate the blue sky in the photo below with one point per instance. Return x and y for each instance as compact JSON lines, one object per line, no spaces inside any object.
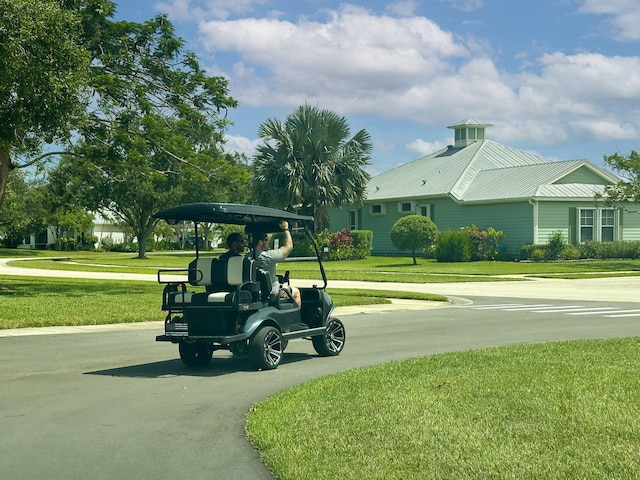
{"x":559,"y":78}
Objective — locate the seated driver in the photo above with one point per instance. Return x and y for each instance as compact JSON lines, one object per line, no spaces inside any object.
{"x":267,"y":260}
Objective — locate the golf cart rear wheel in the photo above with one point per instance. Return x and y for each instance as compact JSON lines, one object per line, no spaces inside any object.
{"x":332,"y":342}
{"x":266,"y":348}
{"x":194,"y":354}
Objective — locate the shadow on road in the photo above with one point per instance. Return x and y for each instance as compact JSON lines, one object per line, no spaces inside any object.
{"x":175,"y":367}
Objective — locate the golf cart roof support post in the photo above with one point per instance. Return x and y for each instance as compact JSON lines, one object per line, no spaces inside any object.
{"x":195,"y":228}
{"x":317,"y":250}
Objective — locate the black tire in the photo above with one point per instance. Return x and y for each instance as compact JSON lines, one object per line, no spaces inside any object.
{"x":194,"y":354}
{"x":332,"y":342}
{"x":266,"y":348}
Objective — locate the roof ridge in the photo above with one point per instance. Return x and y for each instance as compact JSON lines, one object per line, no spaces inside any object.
{"x":458,"y":195}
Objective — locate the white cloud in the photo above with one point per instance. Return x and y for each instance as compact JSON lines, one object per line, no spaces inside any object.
{"x":624,"y":16}
{"x":403,"y":8}
{"x":354,"y":53}
{"x":199,"y":10}
{"x":467,"y":5}
{"x":423,"y":148}
{"x":408,"y":68}
{"x":241,"y":144}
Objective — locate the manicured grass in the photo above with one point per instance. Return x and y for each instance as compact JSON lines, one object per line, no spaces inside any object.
{"x":354,"y":296}
{"x":559,"y":410}
{"x":44,"y":301}
{"x":379,"y":269}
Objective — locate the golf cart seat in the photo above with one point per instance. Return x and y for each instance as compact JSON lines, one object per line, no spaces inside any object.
{"x":227,"y":282}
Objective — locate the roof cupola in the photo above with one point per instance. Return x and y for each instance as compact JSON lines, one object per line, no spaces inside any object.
{"x":468,"y":131}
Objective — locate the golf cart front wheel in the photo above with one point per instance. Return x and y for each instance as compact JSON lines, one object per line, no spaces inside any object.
{"x":332,"y":342}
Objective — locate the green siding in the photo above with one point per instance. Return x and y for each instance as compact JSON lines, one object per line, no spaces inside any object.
{"x":583,"y":175}
{"x":514,"y":219}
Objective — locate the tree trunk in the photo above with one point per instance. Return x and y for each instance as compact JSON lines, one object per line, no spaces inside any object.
{"x":5,"y":169}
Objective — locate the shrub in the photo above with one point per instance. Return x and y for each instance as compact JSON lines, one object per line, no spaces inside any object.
{"x":362,"y":243}
{"x":413,"y":232}
{"x":453,"y":246}
{"x":485,"y":243}
{"x":604,"y":250}
{"x":570,"y":253}
{"x":555,"y":245}
{"x":539,"y":254}
{"x":340,"y":245}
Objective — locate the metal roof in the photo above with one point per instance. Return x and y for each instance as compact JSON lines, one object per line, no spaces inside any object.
{"x":482,"y":171}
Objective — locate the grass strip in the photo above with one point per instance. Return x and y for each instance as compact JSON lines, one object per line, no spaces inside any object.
{"x":50,"y":301}
{"x":558,"y":410}
{"x":45,"y":301}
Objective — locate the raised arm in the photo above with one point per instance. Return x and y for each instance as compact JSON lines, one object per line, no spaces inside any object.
{"x":287,"y":245}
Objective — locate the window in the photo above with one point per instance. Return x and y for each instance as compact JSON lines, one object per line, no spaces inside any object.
{"x":406,"y":207}
{"x":586,"y":225}
{"x":377,"y":209}
{"x":597,"y":224}
{"x":424,"y":210}
{"x":353,"y":220}
{"x":472,"y":134}
{"x":607,"y":225}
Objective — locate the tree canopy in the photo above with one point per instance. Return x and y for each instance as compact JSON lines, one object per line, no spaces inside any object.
{"x":139,"y":122}
{"x":629,"y":167}
{"x":44,"y":67}
{"x":413,"y":232}
{"x":309,"y":161}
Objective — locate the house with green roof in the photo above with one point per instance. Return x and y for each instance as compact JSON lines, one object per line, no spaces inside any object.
{"x":479,"y":182}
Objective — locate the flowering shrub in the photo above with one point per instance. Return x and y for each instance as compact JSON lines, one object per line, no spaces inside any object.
{"x":346,"y":244}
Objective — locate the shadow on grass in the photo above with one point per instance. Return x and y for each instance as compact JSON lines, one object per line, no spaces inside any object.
{"x":175,"y":368}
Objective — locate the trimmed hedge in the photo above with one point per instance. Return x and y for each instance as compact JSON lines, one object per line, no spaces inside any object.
{"x":587,"y":250}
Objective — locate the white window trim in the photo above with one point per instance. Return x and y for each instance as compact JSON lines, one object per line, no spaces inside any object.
{"x":597,"y":223}
{"x":412,"y":208}
{"x":420,"y":207}
{"x":383,"y":209}
{"x":353,"y":226}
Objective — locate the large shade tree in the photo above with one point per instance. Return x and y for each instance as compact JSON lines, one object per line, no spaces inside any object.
{"x":310,"y":162}
{"x":44,"y":74}
{"x":142,"y":123}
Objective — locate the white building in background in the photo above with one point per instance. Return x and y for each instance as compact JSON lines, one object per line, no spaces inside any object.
{"x":107,"y":231}
{"x":104,"y":228}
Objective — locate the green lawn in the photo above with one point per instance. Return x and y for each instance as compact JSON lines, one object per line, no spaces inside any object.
{"x":552,"y":411}
{"x":45,"y":301}
{"x":381,"y":269}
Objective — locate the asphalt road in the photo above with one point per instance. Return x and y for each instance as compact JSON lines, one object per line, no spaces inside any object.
{"x":111,"y":403}
{"x":114,"y":404}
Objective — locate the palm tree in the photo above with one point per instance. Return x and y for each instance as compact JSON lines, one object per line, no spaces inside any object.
{"x":309,"y":160}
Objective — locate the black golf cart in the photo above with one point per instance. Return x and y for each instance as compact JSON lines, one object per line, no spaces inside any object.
{"x":227,"y":304}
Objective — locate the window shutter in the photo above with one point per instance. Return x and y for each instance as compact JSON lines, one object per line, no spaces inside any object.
{"x":573,"y":225}
{"x":620,"y":224}
{"x":432,"y":212}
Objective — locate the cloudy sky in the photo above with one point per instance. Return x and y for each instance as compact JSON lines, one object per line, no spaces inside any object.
{"x":560,"y":78}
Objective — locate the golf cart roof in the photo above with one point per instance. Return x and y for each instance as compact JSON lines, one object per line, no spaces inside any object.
{"x":234,"y":213}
